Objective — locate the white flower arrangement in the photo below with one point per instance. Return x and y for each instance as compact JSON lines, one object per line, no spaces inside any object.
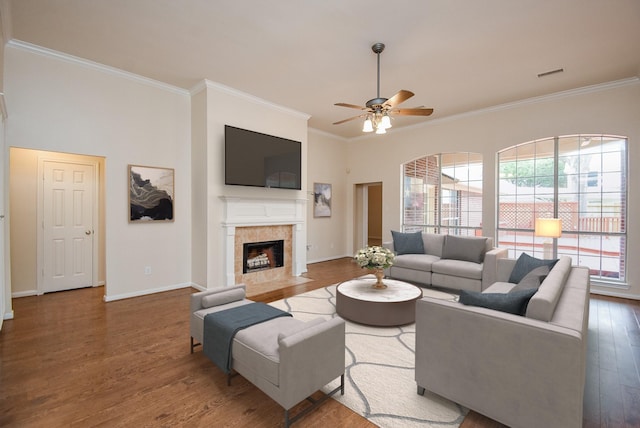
{"x":374,"y":257}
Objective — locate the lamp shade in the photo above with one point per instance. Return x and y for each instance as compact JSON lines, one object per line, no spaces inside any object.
{"x":548,"y":227}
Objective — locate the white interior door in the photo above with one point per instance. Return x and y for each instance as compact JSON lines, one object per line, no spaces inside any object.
{"x":67,"y":222}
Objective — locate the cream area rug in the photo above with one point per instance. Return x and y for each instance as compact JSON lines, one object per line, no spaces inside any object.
{"x":379,"y":376}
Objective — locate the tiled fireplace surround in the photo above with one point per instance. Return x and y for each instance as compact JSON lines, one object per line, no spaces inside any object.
{"x":247,"y":219}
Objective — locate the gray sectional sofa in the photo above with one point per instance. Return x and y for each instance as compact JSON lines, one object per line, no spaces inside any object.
{"x":456,"y":262}
{"x":522,"y":370}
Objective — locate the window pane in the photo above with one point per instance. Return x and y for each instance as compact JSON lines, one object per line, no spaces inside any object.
{"x":590,"y":180}
{"x":449,"y":194}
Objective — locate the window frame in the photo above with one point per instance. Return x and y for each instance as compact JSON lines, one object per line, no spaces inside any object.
{"x":436,"y":197}
{"x":586,"y":197}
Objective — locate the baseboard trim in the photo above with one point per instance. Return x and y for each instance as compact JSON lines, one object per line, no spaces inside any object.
{"x":114,"y":297}
{"x":27,"y":293}
{"x":8,"y":316}
{"x":328,"y":259}
{"x":610,"y":293}
{"x":198,"y":287}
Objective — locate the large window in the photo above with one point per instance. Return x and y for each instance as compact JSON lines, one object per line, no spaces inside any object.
{"x":443,"y":194}
{"x":580,"y":179}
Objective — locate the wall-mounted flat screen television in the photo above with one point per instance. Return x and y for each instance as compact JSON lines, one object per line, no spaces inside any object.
{"x":261,"y":160}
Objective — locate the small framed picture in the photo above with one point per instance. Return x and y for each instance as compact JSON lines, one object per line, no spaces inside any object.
{"x":151,"y":193}
{"x":321,"y":200}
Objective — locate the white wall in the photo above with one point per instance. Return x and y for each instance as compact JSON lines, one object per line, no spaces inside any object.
{"x":607,"y":109}
{"x":327,"y":163}
{"x":62,"y":104}
{"x":226,"y":106}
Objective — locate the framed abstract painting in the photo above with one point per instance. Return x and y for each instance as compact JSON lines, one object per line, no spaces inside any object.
{"x":321,"y":200}
{"x":151,"y":193}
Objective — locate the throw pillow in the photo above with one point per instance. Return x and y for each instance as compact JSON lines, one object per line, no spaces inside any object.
{"x":533,"y":279}
{"x":223,"y":298}
{"x":467,"y":248}
{"x":512,"y":303}
{"x":407,"y":243}
{"x":526,"y":264}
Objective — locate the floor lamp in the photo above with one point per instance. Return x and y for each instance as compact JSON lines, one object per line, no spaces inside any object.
{"x":549,"y":228}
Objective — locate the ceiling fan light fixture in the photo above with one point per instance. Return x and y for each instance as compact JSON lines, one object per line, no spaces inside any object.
{"x":378,"y":111}
{"x":385,"y":121}
{"x":368,"y":125}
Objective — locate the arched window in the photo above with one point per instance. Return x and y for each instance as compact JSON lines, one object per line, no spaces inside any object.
{"x":580,"y":179}
{"x":443,"y":194}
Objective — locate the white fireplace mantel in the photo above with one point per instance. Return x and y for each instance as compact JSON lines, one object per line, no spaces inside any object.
{"x":240,"y":211}
{"x":244,"y":211}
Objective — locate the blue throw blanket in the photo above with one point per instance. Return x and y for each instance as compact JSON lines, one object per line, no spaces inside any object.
{"x":221,"y":327}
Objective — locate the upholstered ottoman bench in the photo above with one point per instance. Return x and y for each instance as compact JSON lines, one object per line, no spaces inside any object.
{"x":286,"y":358}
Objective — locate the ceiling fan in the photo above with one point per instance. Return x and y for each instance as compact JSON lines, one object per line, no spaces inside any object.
{"x":378,"y":110}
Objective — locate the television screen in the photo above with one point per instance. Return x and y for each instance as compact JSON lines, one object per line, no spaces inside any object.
{"x":260,"y":160}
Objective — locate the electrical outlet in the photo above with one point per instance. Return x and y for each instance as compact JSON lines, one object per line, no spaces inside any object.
{"x":147,"y":270}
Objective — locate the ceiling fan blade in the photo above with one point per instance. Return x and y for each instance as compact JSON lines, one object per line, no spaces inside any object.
{"x":347,"y":120}
{"x":398,"y":98}
{"x":350,"y":106}
{"x":412,"y":111}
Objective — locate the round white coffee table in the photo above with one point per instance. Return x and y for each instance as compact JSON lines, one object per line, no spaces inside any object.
{"x":358,"y":301}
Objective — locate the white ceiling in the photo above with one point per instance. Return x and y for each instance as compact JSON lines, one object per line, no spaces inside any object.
{"x":455,"y":55}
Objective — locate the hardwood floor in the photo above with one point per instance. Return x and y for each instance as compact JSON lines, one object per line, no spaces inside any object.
{"x":69,"y":359}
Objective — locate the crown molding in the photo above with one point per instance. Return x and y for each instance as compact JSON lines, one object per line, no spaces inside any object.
{"x":524,"y":102}
{"x":208,"y":84}
{"x":544,"y":98}
{"x":328,"y":134}
{"x":50,"y":53}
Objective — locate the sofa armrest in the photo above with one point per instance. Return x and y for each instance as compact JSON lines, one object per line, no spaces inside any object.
{"x":490,"y":265}
{"x":195,"y":303}
{"x":310,"y":359}
{"x":388,"y":245}
{"x":519,"y":371}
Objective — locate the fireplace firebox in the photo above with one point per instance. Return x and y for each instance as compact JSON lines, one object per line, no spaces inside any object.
{"x":262,"y":255}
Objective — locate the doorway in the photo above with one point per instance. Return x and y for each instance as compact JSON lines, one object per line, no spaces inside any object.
{"x":368,"y":218}
{"x":44,"y":255}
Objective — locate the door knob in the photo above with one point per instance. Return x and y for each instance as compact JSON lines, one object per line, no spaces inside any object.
{"x":88,"y":232}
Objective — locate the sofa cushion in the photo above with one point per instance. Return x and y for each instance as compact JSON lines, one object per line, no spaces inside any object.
{"x":223,"y":297}
{"x":421,"y":262}
{"x":203,"y":312}
{"x":467,"y":248}
{"x":512,"y":302}
{"x":300,"y":328}
{"x":257,"y":346}
{"x":526,"y":264}
{"x":458,"y":268}
{"x":499,"y":287}
{"x":533,"y":279}
{"x":433,"y":243}
{"x":407,"y":243}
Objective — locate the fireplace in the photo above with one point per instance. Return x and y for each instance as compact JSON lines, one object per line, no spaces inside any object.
{"x":262,"y":255}
{"x":247,"y":219}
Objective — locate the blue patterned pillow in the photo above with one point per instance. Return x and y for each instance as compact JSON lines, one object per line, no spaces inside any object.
{"x":526,"y":264}
{"x":513,"y":303}
{"x":407,"y":243}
